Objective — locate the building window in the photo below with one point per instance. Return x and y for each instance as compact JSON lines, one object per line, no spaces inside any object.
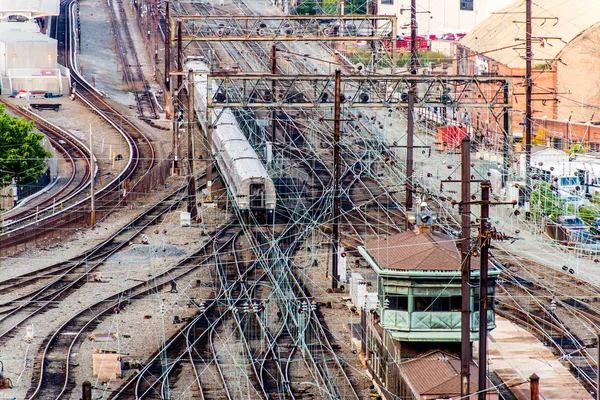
{"x":463,"y":61}
{"x":391,"y":2}
{"x":466,"y":5}
{"x":435,"y":304}
{"x":557,"y":143}
{"x":398,"y":303}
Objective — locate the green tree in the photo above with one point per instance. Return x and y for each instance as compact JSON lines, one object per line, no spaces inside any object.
{"x":356,"y":7}
{"x":306,"y":7}
{"x":588,"y":213}
{"x":424,"y":58}
{"x":21,"y":154}
{"x":544,"y":201}
{"x":577,"y":148}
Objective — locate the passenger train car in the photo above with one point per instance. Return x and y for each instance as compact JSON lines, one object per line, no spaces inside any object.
{"x":240,"y":166}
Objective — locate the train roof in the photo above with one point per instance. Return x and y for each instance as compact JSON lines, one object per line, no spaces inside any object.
{"x":196,"y":63}
{"x":239,"y":150}
{"x":250,"y":168}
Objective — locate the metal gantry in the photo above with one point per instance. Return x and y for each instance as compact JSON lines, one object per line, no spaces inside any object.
{"x":286,"y":28}
{"x":374,"y":91}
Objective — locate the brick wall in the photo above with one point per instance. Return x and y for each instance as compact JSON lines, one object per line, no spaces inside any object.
{"x":567,"y":133}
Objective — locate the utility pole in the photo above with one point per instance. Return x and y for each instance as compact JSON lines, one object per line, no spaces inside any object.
{"x":175,"y":109}
{"x":465,"y":252}
{"x":484,"y":245}
{"x":167,"y":44}
{"x":336,"y":177}
{"x":411,"y":106}
{"x":597,"y":366}
{"x":485,"y":237}
{"x":506,"y":136}
{"x":179,"y":54}
{"x":93,"y":175}
{"x":209,"y":161}
{"x":156,"y":33}
{"x":372,"y":10}
{"x":148,"y":26}
{"x":192,"y":209}
{"x":528,"y":91}
{"x":534,"y":388}
{"x":86,"y":390}
{"x":273,"y":89}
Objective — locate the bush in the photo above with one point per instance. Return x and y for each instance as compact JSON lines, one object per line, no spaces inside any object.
{"x":425,"y":58}
{"x":306,"y":7}
{"x":577,"y":148}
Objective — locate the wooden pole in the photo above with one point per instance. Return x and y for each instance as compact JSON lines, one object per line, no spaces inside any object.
{"x":92,"y":173}
{"x":411,"y":107}
{"x":484,"y":244}
{"x":179,"y":54}
{"x":534,"y":387}
{"x":273,"y":90}
{"x":465,"y":251}
{"x":336,"y":178}
{"x":86,"y":390}
{"x":155,"y":33}
{"x":598,"y":368}
{"x":167,"y":44}
{"x":192,"y":208}
{"x":175,"y":116}
{"x":528,"y":95}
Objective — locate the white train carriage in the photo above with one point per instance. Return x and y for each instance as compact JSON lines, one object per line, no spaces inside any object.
{"x":245,"y":174}
{"x":197,"y":64}
{"x":242,"y":169}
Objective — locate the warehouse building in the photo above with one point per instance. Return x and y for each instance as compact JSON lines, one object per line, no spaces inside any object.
{"x":27,"y":56}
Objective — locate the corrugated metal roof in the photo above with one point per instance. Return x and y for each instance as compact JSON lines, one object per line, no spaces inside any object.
{"x":496,"y":35}
{"x":409,"y":251}
{"x":22,"y":32}
{"x":37,"y":7}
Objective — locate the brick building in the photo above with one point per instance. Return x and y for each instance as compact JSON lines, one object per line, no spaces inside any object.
{"x":566,"y":42}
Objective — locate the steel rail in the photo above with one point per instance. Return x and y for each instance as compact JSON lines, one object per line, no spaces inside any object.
{"x":55,"y":134}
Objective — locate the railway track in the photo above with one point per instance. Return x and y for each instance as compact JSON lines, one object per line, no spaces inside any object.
{"x":52,"y":379}
{"x":196,"y":342}
{"x":56,"y":282}
{"x":560,"y":309}
{"x":318,"y":358}
{"x":132,"y":69}
{"x":542,"y":317}
{"x":72,"y":187}
{"x":135,"y":177}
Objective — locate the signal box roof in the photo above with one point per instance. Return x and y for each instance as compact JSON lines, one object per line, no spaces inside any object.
{"x":417,"y":252}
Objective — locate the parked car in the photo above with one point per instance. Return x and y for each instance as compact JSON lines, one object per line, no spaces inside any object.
{"x":573,"y":201}
{"x":572,"y":223}
{"x":453,"y":36}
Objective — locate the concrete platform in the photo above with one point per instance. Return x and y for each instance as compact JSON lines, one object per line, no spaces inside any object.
{"x":515,"y":354}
